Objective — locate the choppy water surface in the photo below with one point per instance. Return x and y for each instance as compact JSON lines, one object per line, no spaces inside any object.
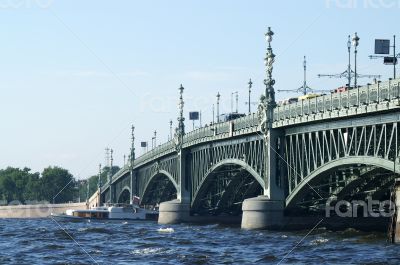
{"x":42,"y":241}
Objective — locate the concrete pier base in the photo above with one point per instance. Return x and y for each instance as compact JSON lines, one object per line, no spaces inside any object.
{"x":173,"y":212}
{"x":394,"y":226}
{"x":262,"y":213}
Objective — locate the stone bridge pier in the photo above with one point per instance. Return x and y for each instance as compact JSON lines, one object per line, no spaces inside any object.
{"x":266,"y":211}
{"x":178,"y":210}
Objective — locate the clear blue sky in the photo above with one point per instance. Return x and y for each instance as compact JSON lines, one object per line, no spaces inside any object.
{"x":76,"y":74}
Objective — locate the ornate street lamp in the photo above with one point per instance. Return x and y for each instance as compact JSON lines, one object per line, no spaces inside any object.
{"x":355,"y":41}
{"x":250,"y":85}
{"x":155,"y":139}
{"x":132,"y":155}
{"x":218,"y":97}
{"x":99,"y":184}
{"x":170,"y":129}
{"x":269,"y":61}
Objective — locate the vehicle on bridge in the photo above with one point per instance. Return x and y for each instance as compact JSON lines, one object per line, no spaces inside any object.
{"x":111,"y":212}
{"x":231,"y":116}
{"x":340,"y":89}
{"x":288,"y":101}
{"x":309,"y":96}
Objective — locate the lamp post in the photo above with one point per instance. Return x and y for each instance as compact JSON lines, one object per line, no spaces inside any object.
{"x":170,"y":129}
{"x":181,"y":119}
{"x":355,"y":42}
{"x":394,"y":57}
{"x":155,"y":139}
{"x":218,"y":97}
{"x":110,"y":174}
{"x":87,"y":192}
{"x":213,"y":114}
{"x":99,"y":184}
{"x":250,"y":85}
{"x":132,"y":155}
{"x":237,"y":99}
{"x":349,"y":65}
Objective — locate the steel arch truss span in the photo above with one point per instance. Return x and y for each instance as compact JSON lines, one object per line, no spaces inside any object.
{"x":158,"y":179}
{"x":124,"y":195}
{"x":312,"y":155}
{"x":121,"y":185}
{"x":225,"y":173}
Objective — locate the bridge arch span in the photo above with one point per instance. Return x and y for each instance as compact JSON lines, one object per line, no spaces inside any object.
{"x":160,"y":187}
{"x":305,"y":184}
{"x":231,"y":179}
{"x":124,"y":195}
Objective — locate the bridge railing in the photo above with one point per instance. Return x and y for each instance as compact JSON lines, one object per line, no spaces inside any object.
{"x":222,"y":128}
{"x":246,"y":124}
{"x":369,"y":94}
{"x":164,"y":148}
{"x":121,"y":172}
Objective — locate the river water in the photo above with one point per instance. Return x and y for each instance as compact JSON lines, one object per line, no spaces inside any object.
{"x":43,"y":241}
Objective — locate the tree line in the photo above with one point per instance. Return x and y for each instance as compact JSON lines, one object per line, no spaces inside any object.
{"x":53,"y":184}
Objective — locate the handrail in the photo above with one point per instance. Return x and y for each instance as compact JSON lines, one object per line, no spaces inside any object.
{"x":375,"y":93}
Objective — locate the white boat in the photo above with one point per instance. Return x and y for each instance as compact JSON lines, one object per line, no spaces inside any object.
{"x":112,"y":212}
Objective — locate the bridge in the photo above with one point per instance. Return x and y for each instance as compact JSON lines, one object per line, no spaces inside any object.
{"x":282,"y":160}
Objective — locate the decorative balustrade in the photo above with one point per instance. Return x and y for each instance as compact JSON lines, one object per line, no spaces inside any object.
{"x":353,"y":98}
{"x":245,"y":124}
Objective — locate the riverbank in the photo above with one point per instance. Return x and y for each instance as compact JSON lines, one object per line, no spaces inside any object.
{"x":37,"y":210}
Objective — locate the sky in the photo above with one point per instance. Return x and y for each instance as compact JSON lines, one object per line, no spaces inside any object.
{"x":75,"y":75}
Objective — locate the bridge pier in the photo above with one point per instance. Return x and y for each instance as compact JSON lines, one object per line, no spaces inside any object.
{"x":173,"y":212}
{"x":394,"y":226}
{"x":262,"y":213}
{"x":177,"y":211}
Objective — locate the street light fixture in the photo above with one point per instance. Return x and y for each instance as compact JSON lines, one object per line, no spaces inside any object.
{"x":218,"y":97}
{"x":250,"y":85}
{"x":355,"y":41}
{"x":170,"y":129}
{"x":237,"y":101}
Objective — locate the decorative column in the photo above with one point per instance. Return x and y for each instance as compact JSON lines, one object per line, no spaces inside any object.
{"x":110,"y":174}
{"x":250,"y":86}
{"x":99,"y":184}
{"x":218,"y":97}
{"x":170,"y":130}
{"x":131,"y":162}
{"x":87,"y":193}
{"x":266,"y":211}
{"x":178,"y":210}
{"x":355,"y":42}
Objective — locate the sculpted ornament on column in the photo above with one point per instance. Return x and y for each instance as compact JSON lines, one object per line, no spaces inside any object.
{"x":262,"y":115}
{"x":180,"y":130}
{"x":267,"y":101}
{"x":157,"y":167}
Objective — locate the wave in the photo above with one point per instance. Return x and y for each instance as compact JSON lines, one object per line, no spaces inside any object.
{"x":166,"y":230}
{"x":98,"y":230}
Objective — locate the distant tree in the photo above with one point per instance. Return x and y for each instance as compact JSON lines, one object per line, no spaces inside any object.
{"x":33,"y":190}
{"x":57,"y":185}
{"x":7,"y":187}
{"x":16,"y":183}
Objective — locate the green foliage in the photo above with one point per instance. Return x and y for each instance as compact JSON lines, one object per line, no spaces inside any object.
{"x":25,"y":186}
{"x":55,"y":184}
{"x":13,"y":182}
